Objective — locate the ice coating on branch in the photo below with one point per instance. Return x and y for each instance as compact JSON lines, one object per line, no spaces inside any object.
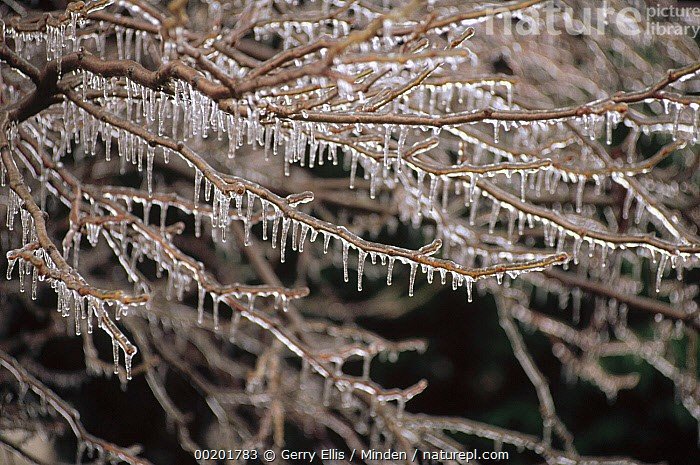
{"x":505,"y":192}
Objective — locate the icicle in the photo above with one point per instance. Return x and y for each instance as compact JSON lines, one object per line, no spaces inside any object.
{"x":660,"y":271}
{"x":402,"y":141}
{"x":472,"y":187}
{"x":456,"y":280}
{"x":263,"y":218}
{"x":385,"y":146}
{"x":353,"y":168}
{"x":295,"y":230}
{"x":248,"y":216}
{"x":412,"y":278}
{"x":390,"y":270}
{"x":676,"y":117}
{"x":275,"y":228}
{"x":127,"y":364}
{"x":346,"y":246}
{"x":200,"y":303}
{"x":579,"y":193}
{"x":10,"y":266}
{"x":445,"y":193}
{"x":493,"y":218}
{"x":360,"y":267}
{"x":433,"y":190}
{"x":283,"y":238}
{"x":21,"y":270}
{"x":577,"y":248}
{"x":326,"y":241}
{"x":207,"y":189}
{"x":197,"y":223}
{"x":509,"y":93}
{"x":34,"y":282}
{"x":197,"y":185}
{"x":115,"y":354}
{"x":215,"y":310}
{"x":302,"y":236}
